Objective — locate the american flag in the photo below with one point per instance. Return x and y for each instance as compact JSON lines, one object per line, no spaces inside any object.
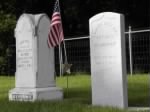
{"x":55,"y":36}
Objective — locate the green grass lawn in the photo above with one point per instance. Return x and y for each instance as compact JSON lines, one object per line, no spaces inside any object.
{"x":138,"y":90}
{"x":77,"y":98}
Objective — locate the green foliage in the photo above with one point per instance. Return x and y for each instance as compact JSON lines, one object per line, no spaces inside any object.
{"x":8,"y":6}
{"x":7,"y":25}
{"x":7,"y":22}
{"x":77,"y":96}
{"x":2,"y":60}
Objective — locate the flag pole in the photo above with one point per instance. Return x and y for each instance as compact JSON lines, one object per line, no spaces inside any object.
{"x":60,"y":61}
{"x":60,"y":50}
{"x":66,"y":61}
{"x":56,"y":35}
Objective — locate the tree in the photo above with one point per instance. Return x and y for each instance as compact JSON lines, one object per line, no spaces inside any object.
{"x":8,"y":6}
{"x":76,"y":13}
{"x":7,"y":25}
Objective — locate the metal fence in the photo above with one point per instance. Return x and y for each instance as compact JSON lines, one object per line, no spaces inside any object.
{"x":137,"y":52}
{"x":78,"y":53}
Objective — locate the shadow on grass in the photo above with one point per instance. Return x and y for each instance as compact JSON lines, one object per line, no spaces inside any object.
{"x":80,"y":95}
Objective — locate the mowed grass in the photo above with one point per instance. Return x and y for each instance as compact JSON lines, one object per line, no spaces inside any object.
{"x":139,"y":90}
{"x":77,"y":98}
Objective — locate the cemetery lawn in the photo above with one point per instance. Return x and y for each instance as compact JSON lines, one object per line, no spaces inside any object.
{"x":77,"y":98}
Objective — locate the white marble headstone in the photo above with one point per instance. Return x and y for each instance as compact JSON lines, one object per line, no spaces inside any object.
{"x":34,"y":61}
{"x":108,"y":61}
{"x":24,"y":34}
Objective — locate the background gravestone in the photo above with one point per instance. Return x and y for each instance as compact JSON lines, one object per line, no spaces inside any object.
{"x":108,"y":62}
{"x":34,"y":61}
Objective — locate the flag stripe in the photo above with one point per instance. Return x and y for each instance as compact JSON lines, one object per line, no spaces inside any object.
{"x":56,"y":19}
{"x":54,"y":23}
{"x":50,"y":43}
{"x":55,"y":35}
{"x":54,"y":38}
{"x":56,"y":30}
{"x":56,"y":16}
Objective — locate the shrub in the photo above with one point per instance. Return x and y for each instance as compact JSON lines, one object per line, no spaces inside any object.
{"x":7,"y":25}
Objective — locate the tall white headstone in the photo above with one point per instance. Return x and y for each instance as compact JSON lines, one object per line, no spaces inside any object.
{"x":108,"y":61}
{"x":34,"y":61}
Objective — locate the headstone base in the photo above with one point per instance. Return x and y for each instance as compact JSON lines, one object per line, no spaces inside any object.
{"x":33,"y":94}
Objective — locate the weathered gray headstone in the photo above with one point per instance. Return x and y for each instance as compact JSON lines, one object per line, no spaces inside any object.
{"x":34,"y":61}
{"x":108,"y":61}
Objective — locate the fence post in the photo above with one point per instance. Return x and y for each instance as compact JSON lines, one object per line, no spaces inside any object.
{"x":130,"y":50}
{"x":60,"y":60}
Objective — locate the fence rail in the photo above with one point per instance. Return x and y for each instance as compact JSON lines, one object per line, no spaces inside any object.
{"x":78,"y":53}
{"x":137,"y":52}
{"x":138,"y":31}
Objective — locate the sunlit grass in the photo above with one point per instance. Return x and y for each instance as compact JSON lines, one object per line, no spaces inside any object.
{"x":138,"y":90}
{"x":77,"y":98}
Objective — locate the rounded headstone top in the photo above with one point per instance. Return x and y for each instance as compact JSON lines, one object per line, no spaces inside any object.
{"x":29,"y":22}
{"x":25,"y":23}
{"x":39,"y":17}
{"x":103,"y":14}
